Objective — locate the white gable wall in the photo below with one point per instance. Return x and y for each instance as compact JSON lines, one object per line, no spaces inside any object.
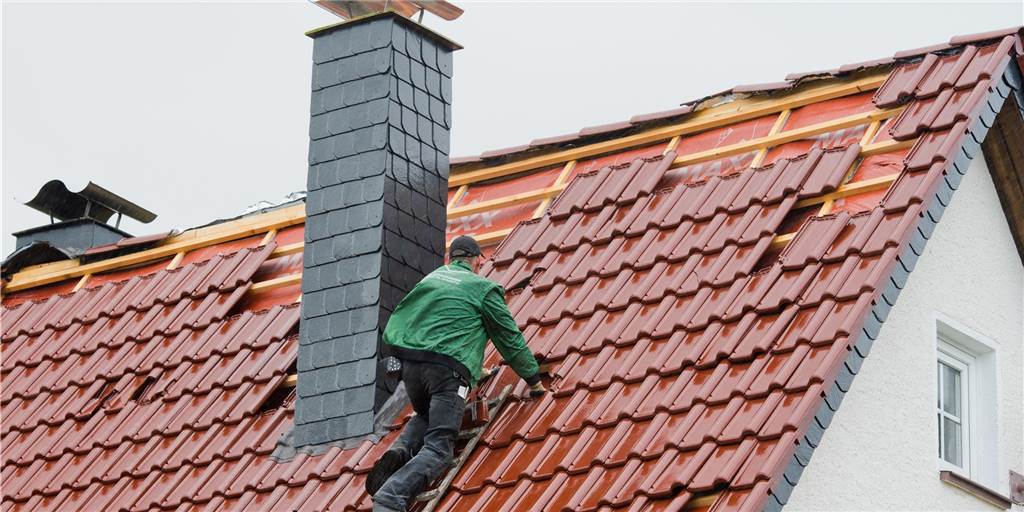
{"x":880,"y":452}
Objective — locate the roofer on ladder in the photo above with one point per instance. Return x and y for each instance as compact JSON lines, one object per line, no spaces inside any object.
{"x":438,"y":332}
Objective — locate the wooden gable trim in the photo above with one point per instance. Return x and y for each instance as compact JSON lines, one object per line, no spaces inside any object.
{"x":1004,"y":152}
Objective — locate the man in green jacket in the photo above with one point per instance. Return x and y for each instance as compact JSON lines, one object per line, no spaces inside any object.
{"x":439,"y":331}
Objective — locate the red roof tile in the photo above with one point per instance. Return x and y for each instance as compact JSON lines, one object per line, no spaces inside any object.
{"x":689,"y":354}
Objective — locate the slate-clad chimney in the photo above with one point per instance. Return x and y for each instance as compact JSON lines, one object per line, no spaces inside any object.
{"x":375,"y":209}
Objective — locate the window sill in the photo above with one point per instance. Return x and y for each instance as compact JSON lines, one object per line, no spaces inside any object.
{"x":970,"y":486}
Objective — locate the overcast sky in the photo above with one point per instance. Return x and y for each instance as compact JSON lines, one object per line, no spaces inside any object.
{"x":197,"y":110}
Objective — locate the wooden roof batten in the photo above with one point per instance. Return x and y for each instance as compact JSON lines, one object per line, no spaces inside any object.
{"x":701,"y":120}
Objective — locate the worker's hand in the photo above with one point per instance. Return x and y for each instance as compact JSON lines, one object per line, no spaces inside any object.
{"x":488,"y":373}
{"x":537,"y":390}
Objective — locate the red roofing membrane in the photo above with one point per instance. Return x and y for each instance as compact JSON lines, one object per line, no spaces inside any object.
{"x":688,"y":355}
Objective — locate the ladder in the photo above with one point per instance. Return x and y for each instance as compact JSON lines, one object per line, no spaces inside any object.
{"x":472,"y":437}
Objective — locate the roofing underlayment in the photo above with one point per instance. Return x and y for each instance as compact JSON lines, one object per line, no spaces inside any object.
{"x":704,"y":283}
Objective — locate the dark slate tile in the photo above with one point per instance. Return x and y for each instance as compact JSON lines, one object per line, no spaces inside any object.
{"x":418,"y":74}
{"x":834,"y":397}
{"x":382,"y":61}
{"x":444,"y":62}
{"x":335,"y":299}
{"x":336,"y":403}
{"x":354,"y":92}
{"x":363,"y":293}
{"x":321,"y":150}
{"x":316,"y":102}
{"x":380,"y":33}
{"x":446,"y":91}
{"x":314,"y":432}
{"x":372,"y":163}
{"x":339,"y":324}
{"x":338,"y":43}
{"x":376,"y":87}
{"x":312,"y":408}
{"x":372,"y":189}
{"x":441,"y":137}
{"x":352,"y":425}
{"x":322,"y":50}
{"x":412,"y":150}
{"x":398,"y":34}
{"x":363,"y":319}
{"x":305,"y":359}
{"x":318,"y":127}
{"x":845,"y":377}
{"x":430,"y":52}
{"x":359,"y":38}
{"x":314,"y":200}
{"x":310,"y":276}
{"x":313,"y":303}
{"x":402,"y":67}
{"x":428,"y":155}
{"x":414,"y":45}
{"x":425,"y":128}
{"x":437,"y":111}
{"x":337,"y":221}
{"x":357,"y":373}
{"x":408,"y":123}
{"x":331,"y":98}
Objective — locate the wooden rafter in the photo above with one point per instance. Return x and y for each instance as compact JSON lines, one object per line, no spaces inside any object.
{"x":732,"y":112}
{"x":561,"y":180}
{"x":176,"y":260}
{"x":459,"y":194}
{"x":780,"y":122}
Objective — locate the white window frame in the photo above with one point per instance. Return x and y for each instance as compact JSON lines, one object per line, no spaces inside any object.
{"x":964,"y":363}
{"x":955,"y":342}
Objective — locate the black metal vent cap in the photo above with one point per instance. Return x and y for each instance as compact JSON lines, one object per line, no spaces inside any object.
{"x":93,"y":202}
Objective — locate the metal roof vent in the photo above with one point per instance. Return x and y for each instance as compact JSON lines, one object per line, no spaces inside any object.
{"x":78,"y":220}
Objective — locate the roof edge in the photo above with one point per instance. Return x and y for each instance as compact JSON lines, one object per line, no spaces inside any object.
{"x":885,"y":300}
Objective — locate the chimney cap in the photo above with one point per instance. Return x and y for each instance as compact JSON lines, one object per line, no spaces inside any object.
{"x":93,"y":201}
{"x":350,"y":10}
{"x":422,"y":29}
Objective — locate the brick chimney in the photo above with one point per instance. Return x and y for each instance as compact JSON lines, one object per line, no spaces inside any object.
{"x":375,"y":210}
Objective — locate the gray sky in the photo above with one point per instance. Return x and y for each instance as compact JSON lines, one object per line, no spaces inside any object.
{"x":197,"y":110}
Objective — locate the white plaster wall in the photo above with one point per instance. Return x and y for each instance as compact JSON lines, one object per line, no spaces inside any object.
{"x":880,"y":452}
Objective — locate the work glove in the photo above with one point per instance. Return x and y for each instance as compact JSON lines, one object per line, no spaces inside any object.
{"x":537,"y":390}
{"x":487,"y":373}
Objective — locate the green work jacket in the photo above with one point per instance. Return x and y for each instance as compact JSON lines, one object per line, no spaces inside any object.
{"x":452,"y":312}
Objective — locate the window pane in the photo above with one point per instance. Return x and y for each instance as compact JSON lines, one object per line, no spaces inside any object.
{"x":951,"y":442}
{"x":938,"y":375}
{"x":938,"y":420}
{"x":950,"y":390}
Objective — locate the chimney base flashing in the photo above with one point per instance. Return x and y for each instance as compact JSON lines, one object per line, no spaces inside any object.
{"x":287,"y":448}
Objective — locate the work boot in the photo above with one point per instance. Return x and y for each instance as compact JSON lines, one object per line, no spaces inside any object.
{"x":387,"y":465}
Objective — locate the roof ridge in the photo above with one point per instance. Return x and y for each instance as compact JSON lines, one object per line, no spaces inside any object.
{"x":792,"y":80}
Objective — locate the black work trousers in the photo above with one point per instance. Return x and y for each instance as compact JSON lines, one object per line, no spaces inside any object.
{"x":429,"y":436}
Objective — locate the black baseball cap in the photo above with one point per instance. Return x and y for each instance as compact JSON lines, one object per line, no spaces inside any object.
{"x":463,"y":247}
